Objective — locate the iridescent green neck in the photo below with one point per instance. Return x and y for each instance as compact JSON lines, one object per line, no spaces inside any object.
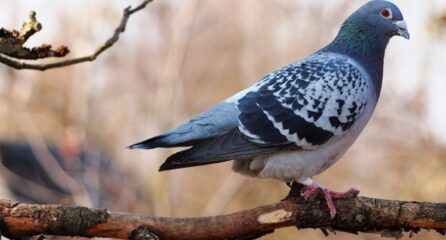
{"x":365,"y":45}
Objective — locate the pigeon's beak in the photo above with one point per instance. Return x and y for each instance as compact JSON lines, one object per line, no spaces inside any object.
{"x":402,"y":29}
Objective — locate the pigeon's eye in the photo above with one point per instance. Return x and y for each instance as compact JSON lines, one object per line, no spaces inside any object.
{"x":386,"y":13}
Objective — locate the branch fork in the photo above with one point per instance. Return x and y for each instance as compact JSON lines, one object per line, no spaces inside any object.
{"x":13,"y":52}
{"x":12,"y":42}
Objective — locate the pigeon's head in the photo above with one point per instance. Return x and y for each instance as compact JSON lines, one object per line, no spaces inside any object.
{"x":381,"y":17}
{"x":367,"y":31}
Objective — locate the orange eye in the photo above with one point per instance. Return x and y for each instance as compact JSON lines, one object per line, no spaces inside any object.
{"x":387,"y":13}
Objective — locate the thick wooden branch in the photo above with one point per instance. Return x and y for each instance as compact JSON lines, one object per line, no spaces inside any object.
{"x":11,"y":45}
{"x":354,"y":215}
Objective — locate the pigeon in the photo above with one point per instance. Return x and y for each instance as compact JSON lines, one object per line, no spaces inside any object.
{"x":299,"y":120}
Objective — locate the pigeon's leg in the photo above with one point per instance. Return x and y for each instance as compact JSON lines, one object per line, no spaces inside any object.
{"x":311,"y":187}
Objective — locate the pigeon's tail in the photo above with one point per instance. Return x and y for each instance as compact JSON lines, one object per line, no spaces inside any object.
{"x":151,"y":143}
{"x":217,"y":121}
{"x":168,"y":140}
{"x":232,"y":145}
{"x":155,"y":142}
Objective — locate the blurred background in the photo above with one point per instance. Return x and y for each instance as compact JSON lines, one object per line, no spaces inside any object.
{"x":64,"y":132}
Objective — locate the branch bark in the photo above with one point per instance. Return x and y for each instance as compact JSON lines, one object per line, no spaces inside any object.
{"x":11,"y":45}
{"x":360,"y":214}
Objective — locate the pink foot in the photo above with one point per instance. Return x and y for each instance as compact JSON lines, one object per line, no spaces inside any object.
{"x":329,"y":195}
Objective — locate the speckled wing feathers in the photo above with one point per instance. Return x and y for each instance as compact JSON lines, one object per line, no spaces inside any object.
{"x":305,"y":103}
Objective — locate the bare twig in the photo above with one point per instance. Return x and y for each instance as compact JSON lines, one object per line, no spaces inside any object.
{"x":11,"y":43}
{"x":354,"y":215}
{"x":6,"y":57}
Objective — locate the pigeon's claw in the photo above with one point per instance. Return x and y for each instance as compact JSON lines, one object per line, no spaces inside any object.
{"x":309,"y":191}
{"x":330,"y":204}
{"x":329,"y":195}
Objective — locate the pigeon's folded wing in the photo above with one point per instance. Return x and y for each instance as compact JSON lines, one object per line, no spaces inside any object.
{"x":215,"y":122}
{"x":306,"y":103}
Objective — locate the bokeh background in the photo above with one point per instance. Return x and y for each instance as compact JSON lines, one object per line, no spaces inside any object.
{"x":178,"y":58}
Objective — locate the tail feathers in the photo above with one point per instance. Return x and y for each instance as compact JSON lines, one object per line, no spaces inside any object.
{"x":184,"y":159}
{"x":190,"y":158}
{"x":167,"y":140}
{"x":154,"y":142}
{"x":224,"y":148}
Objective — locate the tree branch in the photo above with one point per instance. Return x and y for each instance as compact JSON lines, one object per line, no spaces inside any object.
{"x":11,"y":45}
{"x":11,"y":42}
{"x":361,"y":214}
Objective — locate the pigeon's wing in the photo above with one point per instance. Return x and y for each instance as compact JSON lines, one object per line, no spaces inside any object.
{"x":306,"y":103}
{"x":212,"y":123}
